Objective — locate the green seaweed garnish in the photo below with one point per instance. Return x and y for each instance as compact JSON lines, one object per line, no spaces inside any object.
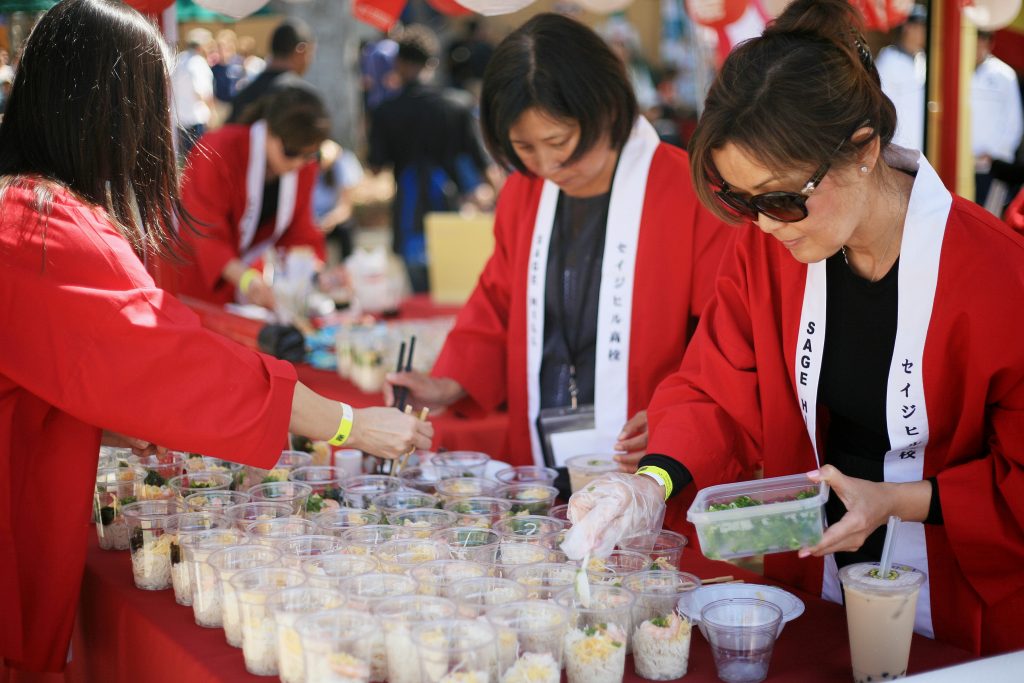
{"x":660,"y":622}
{"x":154,"y":479}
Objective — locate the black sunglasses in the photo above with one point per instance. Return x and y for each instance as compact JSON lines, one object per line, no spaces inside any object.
{"x":785,"y":207}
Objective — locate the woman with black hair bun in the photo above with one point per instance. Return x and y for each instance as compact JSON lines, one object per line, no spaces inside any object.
{"x":90,"y":347}
{"x":603,"y":260}
{"x":866,"y":331}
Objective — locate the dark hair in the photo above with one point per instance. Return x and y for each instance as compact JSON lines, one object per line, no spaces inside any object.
{"x":563,"y":68}
{"x":287,"y":37}
{"x":89,"y":110}
{"x":789,"y":97}
{"x":294,"y":112}
{"x":418,"y":45}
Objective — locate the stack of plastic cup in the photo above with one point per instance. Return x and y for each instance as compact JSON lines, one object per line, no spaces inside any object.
{"x":253,"y":588}
{"x":287,"y":606}
{"x":366,"y":590}
{"x":398,"y":557}
{"x":661,"y":636}
{"x":185,"y":485}
{"x":227,"y":562}
{"x":325,"y":482}
{"x":455,"y":651}
{"x":244,"y":514}
{"x":388,"y":504}
{"x":294,"y":493}
{"x":397,"y":617}
{"x":360,"y":491}
{"x":474,"y":596}
{"x":434,"y":578}
{"x":336,"y":522}
{"x":481,"y":511}
{"x":365,"y":540}
{"x":466,"y":543}
{"x":299,"y":548}
{"x":338,"y":645}
{"x":273,"y":531}
{"x":328,"y":571}
{"x":597,"y":634}
{"x":115,"y":488}
{"x":544,"y":580}
{"x":530,"y":637}
{"x":665,"y":549}
{"x":528,"y":528}
{"x":423,"y":522}
{"x":215,"y":501}
{"x":511,"y":555}
{"x":458,"y":488}
{"x":741,"y":632}
{"x":463,"y":463}
{"x":206,"y":592}
{"x":529,"y":499}
{"x":150,"y":542}
{"x":181,"y":526}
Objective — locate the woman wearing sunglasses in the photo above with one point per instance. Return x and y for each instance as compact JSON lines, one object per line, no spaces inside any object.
{"x":249,"y":187}
{"x":603,"y":258}
{"x":867,"y":329}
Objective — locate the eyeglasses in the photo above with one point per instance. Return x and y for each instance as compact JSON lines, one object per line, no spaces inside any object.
{"x":310,"y":155}
{"x":785,"y":207}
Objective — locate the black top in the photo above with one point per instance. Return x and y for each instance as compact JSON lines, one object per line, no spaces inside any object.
{"x":268,"y":210}
{"x":256,"y":89}
{"x":571,"y":294}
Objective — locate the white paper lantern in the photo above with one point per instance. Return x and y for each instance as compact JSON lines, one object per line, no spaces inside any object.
{"x":604,"y":6}
{"x":491,"y":8}
{"x":992,"y":15}
{"x":237,"y":9}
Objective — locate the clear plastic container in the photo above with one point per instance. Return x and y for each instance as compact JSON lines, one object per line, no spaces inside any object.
{"x":244,"y":514}
{"x":115,"y":488}
{"x":529,"y":499}
{"x":196,"y":549}
{"x":759,"y":517}
{"x":527,"y":474}
{"x":396,"y":501}
{"x":366,"y":590}
{"x":185,"y":485}
{"x":288,"y":461}
{"x":215,"y":501}
{"x":435,"y":577}
{"x":338,"y":645}
{"x":509,"y":555}
{"x":665,"y":549}
{"x":424,"y":477}
{"x":456,"y":651}
{"x":300,"y":548}
{"x":466,"y":542}
{"x":458,"y":488}
{"x":474,"y":596}
{"x":295,"y":493}
{"x":597,"y":635}
{"x":288,"y":606}
{"x":619,"y":563}
{"x":560,"y":512}
{"x":329,"y":570}
{"x":660,"y":641}
{"x":181,"y":526}
{"x":364,"y":540}
{"x":398,"y":616}
{"x":530,"y":637}
{"x":227,"y":562}
{"x":336,"y":522}
{"x":360,"y":491}
{"x":253,"y":588}
{"x":528,"y":528}
{"x":583,"y":469}
{"x":159,"y":468}
{"x":481,"y":511}
{"x":545,"y":580}
{"x":472,"y":463}
{"x":326,"y":485}
{"x":150,"y":541}
{"x":272,"y":531}
{"x":423,"y":522}
{"x":207,"y":464}
{"x":399,"y":556}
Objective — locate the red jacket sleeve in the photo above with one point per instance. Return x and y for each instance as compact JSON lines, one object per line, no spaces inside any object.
{"x":476,"y":351}
{"x":209,"y":193}
{"x":303,"y":232}
{"x":96,"y":339}
{"x":707,"y":415}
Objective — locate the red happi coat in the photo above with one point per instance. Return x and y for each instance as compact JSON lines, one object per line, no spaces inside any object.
{"x":89,"y":343}
{"x":680,"y":246}
{"x":733,"y":405}
{"x":214,"y":193}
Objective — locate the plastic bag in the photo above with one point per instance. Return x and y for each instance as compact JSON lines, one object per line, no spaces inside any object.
{"x":610,"y":508}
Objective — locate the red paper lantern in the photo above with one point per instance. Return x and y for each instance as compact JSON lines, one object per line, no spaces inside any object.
{"x":381,"y":14}
{"x":149,"y":6}
{"x":449,"y":8}
{"x":882,"y":15}
{"x":716,"y":13}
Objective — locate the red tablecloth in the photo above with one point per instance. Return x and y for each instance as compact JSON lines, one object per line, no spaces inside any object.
{"x":485,"y":434}
{"x":125,"y":634}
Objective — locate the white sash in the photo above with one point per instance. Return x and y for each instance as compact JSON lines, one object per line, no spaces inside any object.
{"x":255,"y":177}
{"x":906,"y":414}
{"x":615,"y":303}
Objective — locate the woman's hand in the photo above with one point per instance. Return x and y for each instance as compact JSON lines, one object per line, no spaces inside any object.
{"x":633,"y":442}
{"x":868,"y":506}
{"x":436,"y":393}
{"x":138,"y":446}
{"x":388,"y":433}
{"x":610,"y":508}
{"x":261,"y":294}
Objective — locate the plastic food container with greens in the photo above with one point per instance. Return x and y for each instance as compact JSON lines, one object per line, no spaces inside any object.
{"x":759,"y":517}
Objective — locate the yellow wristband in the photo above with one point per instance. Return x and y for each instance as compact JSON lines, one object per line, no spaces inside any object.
{"x":246,"y":280}
{"x":658,"y":475}
{"x":345,"y":428}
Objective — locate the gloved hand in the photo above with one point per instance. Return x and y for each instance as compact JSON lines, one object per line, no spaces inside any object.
{"x":610,"y":508}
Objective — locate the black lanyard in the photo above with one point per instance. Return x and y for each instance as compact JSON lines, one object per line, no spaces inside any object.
{"x":572,"y":348}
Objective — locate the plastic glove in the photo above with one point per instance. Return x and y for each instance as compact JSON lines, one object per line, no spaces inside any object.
{"x":610,"y":508}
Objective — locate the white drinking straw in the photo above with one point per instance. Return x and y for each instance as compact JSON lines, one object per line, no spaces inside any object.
{"x":891,"y":530}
